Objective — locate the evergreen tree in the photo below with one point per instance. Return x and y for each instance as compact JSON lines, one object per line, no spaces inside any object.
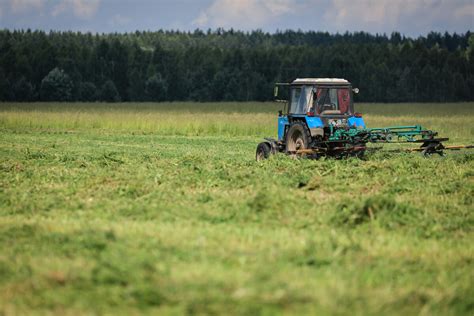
{"x":156,"y":88}
{"x":4,"y":87}
{"x":23,"y":90}
{"x":87,"y":92}
{"x":109,"y":93}
{"x":56,"y":86}
{"x":136,"y":90}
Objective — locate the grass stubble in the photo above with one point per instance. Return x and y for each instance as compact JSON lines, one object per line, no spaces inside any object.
{"x":161,"y":208}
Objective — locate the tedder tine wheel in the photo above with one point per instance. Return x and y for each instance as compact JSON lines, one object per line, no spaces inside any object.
{"x":263,"y":151}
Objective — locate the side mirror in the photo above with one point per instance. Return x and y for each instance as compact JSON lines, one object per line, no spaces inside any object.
{"x":356,"y":90}
{"x":275,"y":92}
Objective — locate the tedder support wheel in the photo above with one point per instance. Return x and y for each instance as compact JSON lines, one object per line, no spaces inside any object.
{"x":360,"y":149}
{"x":297,"y":138}
{"x":263,"y":151}
{"x":432,"y":147}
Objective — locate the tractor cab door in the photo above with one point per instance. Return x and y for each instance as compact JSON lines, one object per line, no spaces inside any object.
{"x":301,"y":99}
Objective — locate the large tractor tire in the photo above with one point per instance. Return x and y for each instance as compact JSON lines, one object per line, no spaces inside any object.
{"x":297,"y":138}
{"x":264,"y":151}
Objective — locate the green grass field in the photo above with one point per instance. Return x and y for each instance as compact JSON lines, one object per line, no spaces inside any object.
{"x":146,"y":208}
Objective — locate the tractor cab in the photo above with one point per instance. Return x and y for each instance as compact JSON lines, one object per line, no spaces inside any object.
{"x":318,"y":104}
{"x":316,"y":97}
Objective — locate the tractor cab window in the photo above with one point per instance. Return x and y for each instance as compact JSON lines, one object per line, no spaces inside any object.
{"x":332,"y":101}
{"x":300,"y":98}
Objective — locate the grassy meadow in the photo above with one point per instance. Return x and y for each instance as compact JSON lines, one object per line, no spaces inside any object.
{"x":162,"y":208}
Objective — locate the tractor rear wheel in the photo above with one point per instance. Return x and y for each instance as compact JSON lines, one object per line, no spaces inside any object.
{"x":263,"y":151}
{"x":297,"y":138}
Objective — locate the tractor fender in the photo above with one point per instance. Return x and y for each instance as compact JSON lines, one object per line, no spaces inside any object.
{"x":357,"y":122}
{"x":315,"y":126}
{"x":317,"y":131}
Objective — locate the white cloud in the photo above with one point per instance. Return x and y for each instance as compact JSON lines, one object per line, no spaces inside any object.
{"x":84,"y":9}
{"x":344,"y":13}
{"x":387,"y":15}
{"x":466,"y":10}
{"x":243,"y":13}
{"x":382,"y":16}
{"x":18,"y":6}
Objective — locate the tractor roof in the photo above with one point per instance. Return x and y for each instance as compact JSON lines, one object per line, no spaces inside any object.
{"x":332,"y":81}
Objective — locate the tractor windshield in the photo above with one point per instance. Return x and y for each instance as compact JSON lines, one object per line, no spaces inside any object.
{"x":320,"y":100}
{"x":332,"y":101}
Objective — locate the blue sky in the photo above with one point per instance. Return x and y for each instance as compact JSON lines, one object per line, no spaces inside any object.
{"x":410,"y":17}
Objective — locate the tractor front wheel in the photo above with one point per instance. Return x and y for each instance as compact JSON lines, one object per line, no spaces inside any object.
{"x":297,"y":138}
{"x":263,"y":151}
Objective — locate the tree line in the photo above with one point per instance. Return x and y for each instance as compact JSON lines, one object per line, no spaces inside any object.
{"x":228,"y":65}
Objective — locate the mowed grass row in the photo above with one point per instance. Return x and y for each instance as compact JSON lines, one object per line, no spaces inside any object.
{"x":118,"y":219}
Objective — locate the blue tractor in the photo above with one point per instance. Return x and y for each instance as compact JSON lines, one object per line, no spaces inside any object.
{"x":319,"y":120}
